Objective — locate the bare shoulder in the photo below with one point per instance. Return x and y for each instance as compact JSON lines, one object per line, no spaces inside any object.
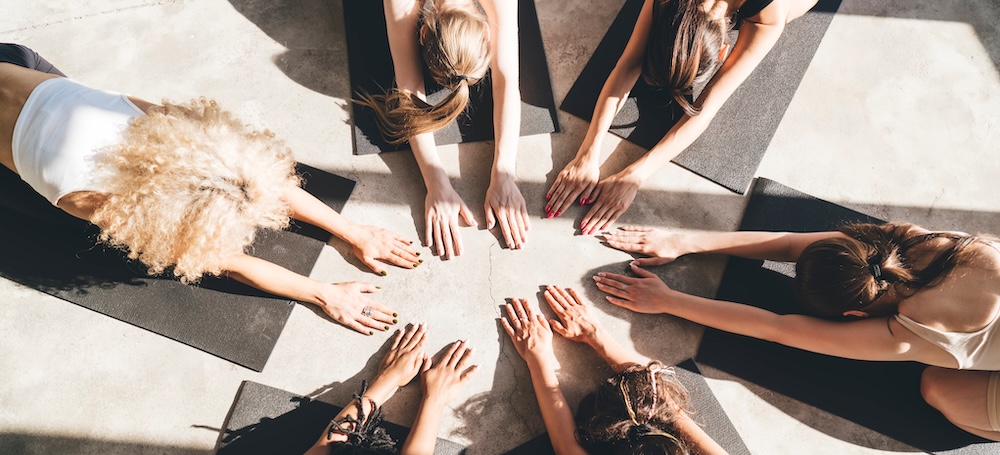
{"x":781,"y":12}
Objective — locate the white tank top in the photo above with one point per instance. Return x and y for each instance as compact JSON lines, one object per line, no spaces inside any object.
{"x":59,"y":131}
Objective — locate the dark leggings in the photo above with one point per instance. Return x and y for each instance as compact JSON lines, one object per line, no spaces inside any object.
{"x":23,"y":56}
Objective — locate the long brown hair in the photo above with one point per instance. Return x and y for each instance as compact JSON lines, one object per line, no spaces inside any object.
{"x":836,"y":275}
{"x":456,"y":50}
{"x":683,"y":49}
{"x":634,"y":412}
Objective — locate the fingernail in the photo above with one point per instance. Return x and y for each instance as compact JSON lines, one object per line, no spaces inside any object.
{"x":411,"y":242}
{"x":371,"y":332}
{"x":378,"y":287}
{"x":421,"y":261}
{"x":595,"y":278}
{"x":549,"y":215}
{"x":416,"y":264}
{"x":548,"y":196}
{"x":604,"y":227}
{"x":387,"y":327}
{"x":560,"y":213}
{"x":582,"y":202}
{"x":548,"y":208}
{"x":384,"y":273}
{"x":394,"y":321}
{"x":582,"y":225}
{"x":395,"y":315}
{"x":601,"y":274}
{"x":418,"y":254}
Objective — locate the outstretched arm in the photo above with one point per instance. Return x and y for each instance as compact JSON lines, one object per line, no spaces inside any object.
{"x":867,"y":339}
{"x":615,"y":194}
{"x":504,"y":204}
{"x":440,"y":382}
{"x":344,"y":302}
{"x":663,"y":246}
{"x":579,"y":178}
{"x":577,"y":322}
{"x":532,"y":337}
{"x":371,"y":244}
{"x":397,"y":369}
{"x":443,"y":206}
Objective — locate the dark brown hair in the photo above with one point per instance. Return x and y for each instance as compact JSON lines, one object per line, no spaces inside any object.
{"x":683,"y":49}
{"x":836,"y":275}
{"x":634,"y":413}
{"x":456,"y":51}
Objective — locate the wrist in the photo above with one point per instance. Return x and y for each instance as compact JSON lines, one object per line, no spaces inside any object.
{"x":382,"y":388}
{"x":437,"y":181}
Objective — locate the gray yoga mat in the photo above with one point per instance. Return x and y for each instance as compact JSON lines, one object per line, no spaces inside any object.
{"x":53,"y":252}
{"x":266,"y":420}
{"x":707,"y":412}
{"x":371,"y":72}
{"x":732,"y":147}
{"x":883,"y":396}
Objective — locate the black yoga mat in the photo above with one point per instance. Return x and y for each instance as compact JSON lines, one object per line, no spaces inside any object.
{"x":707,"y":412}
{"x":732,"y":147}
{"x":266,"y":420}
{"x":53,"y":252}
{"x":883,"y":396}
{"x":372,"y":72}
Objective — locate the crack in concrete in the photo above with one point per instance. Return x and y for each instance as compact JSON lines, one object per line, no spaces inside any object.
{"x":87,"y":16}
{"x":503,"y":351}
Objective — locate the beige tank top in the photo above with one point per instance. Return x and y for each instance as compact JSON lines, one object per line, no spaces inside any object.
{"x":979,"y":350}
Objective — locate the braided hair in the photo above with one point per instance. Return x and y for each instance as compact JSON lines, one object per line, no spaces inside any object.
{"x":365,"y":434}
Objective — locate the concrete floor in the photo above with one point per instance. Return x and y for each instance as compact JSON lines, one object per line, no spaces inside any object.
{"x":898,"y":115}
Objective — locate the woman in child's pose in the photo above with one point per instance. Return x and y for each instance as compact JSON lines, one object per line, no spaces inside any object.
{"x":356,"y":428}
{"x":675,"y":45}
{"x":178,"y":186}
{"x":642,"y":409}
{"x":912,"y":294}
{"x":458,"y":40}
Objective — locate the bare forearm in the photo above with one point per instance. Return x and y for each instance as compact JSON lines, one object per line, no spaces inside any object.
{"x":305,"y":207}
{"x":423,"y":436}
{"x":691,"y":432}
{"x":274,"y":279}
{"x":429,"y":162}
{"x":555,"y":410}
{"x":613,"y":353}
{"x":775,"y":246}
{"x":506,"y":123}
{"x":611,"y":100}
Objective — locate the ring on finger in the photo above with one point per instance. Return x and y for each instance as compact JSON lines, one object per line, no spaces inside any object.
{"x":367,"y":311}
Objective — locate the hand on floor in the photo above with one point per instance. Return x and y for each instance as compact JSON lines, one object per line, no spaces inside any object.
{"x":576,"y":320}
{"x":442,"y":379}
{"x":577,"y":180}
{"x":660,"y":245}
{"x":505,"y":206}
{"x":404,"y":359}
{"x":645,"y":294}
{"x":529,"y":331}
{"x":346,"y":303}
{"x":373,"y":244}
{"x":612,"y":197}
{"x":441,"y":212}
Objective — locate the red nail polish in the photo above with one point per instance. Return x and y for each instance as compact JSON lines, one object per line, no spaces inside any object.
{"x":560,"y":213}
{"x":548,"y":196}
{"x":547,"y":209}
{"x":549,"y":215}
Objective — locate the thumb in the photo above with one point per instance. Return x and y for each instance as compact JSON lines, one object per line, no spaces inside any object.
{"x":426,"y":364}
{"x":641,"y":271}
{"x":467,"y":215}
{"x":651,"y":261}
{"x":490,"y":217}
{"x":558,"y":327}
{"x":376,"y":266}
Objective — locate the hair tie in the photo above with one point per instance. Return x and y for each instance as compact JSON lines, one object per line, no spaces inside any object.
{"x":463,"y":78}
{"x":876,"y":271}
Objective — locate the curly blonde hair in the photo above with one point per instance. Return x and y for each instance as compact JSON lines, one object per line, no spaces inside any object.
{"x":189,"y":186}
